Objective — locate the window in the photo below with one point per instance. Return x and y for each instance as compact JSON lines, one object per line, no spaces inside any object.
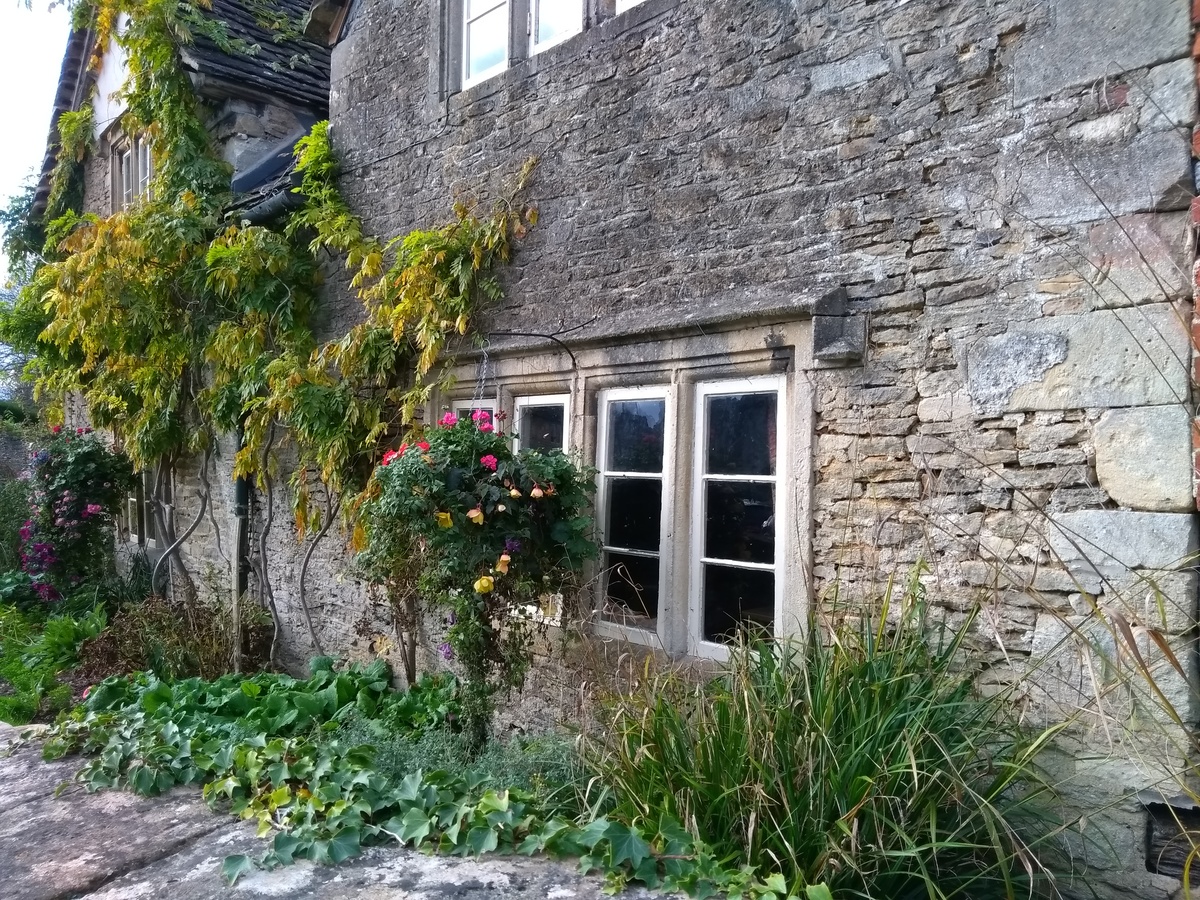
{"x":133,"y":172}
{"x":485,"y":39}
{"x":553,"y":21}
{"x":736,"y":583}
{"x":630,"y":498}
{"x":542,"y":423}
{"x":139,"y":518}
{"x":494,"y":30}
{"x":702,"y":451}
{"x":466,"y":409}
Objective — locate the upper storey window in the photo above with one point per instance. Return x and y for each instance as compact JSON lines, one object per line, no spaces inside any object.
{"x":133,"y":173}
{"x":496,"y":31}
{"x":485,"y":39}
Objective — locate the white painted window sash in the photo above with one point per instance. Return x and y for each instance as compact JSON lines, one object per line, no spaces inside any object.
{"x":603,"y":474}
{"x":535,"y":400}
{"x":776,"y":384}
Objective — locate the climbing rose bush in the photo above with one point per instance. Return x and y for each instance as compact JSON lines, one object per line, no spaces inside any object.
{"x":76,"y":485}
{"x":488,"y":535}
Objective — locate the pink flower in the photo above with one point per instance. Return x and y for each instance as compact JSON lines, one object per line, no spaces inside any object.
{"x":448,"y":420}
{"x":488,"y":462}
{"x":485,"y":426}
{"x":389,"y":456}
{"x":481,"y":415}
{"x":56,"y":429}
{"x":423,"y":446}
{"x":93,"y":509}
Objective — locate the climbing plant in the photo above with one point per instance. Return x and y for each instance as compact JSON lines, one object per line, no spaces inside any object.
{"x":175,"y":320}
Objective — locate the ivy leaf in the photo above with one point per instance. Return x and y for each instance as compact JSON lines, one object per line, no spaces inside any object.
{"x":627,"y":845}
{"x":482,"y":839}
{"x":234,"y":867}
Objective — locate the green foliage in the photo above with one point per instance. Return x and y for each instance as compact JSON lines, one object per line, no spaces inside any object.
{"x":860,"y":758}
{"x":275,"y":750}
{"x":31,"y":657}
{"x":76,"y":484}
{"x":76,"y":138}
{"x":493,"y":535}
{"x":23,"y":234}
{"x":14,"y":510}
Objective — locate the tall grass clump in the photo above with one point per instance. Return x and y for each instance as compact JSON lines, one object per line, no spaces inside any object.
{"x":859,"y":756}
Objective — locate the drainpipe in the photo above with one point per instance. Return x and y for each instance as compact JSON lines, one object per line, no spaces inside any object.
{"x":241,"y":551}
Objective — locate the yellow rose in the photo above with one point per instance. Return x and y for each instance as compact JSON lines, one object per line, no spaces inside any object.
{"x":485,"y":584}
{"x":444,"y":520}
{"x":476,"y":516}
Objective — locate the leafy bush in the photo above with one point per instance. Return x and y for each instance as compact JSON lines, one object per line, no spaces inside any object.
{"x":860,"y":757}
{"x":76,"y":483}
{"x":494,"y":533}
{"x":31,"y":658}
{"x":14,"y":510}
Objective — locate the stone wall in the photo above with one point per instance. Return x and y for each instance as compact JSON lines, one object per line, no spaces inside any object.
{"x":1000,"y":189}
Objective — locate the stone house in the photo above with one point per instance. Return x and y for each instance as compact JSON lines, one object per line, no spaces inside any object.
{"x":822,"y":290}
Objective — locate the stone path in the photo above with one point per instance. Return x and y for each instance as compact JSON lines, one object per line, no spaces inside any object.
{"x":116,"y":846}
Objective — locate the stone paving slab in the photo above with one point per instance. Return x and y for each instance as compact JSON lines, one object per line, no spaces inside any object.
{"x":117,"y":846}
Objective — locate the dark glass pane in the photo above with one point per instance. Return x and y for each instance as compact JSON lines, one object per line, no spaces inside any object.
{"x":741,"y":434}
{"x":635,"y":435}
{"x":634,"y":513}
{"x":739,"y":521}
{"x":737,"y":599}
{"x":631,"y":594}
{"x":541,"y":427}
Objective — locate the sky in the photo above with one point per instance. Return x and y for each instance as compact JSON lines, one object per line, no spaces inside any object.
{"x":32,"y":42}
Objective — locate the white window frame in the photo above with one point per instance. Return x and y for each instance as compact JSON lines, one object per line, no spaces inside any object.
{"x":666,"y":393}
{"x":776,"y":384}
{"x":535,"y":11}
{"x":464,"y":408}
{"x":132,"y":172}
{"x":526,"y":400}
{"x":468,"y":80}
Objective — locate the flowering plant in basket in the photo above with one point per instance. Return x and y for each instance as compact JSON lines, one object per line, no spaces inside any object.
{"x":490,"y":535}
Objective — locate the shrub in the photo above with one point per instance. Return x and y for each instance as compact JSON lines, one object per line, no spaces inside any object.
{"x":493,"y":534}
{"x":858,"y":756}
{"x":76,"y":484}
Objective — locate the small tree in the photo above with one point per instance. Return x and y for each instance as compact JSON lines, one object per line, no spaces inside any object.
{"x":487,"y":534}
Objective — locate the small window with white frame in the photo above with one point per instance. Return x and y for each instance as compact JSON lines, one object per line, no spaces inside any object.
{"x":542,"y":422}
{"x":474,"y":409}
{"x":485,"y":39}
{"x":736,"y":583}
{"x":132,"y":172}
{"x":633,"y":488}
{"x":553,"y":21}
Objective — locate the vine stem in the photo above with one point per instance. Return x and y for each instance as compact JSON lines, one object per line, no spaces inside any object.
{"x":332,"y":507}
{"x":266,"y":596}
{"x":173,"y":549}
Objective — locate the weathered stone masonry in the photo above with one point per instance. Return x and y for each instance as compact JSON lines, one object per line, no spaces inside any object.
{"x":1000,"y":189}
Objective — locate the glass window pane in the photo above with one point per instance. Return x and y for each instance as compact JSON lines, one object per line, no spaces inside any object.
{"x":634,"y":513}
{"x":741,"y":434}
{"x":739,"y":521}
{"x":125,"y":161}
{"x":475,"y":8}
{"x":631,"y":593}
{"x":635,"y":435}
{"x":487,"y":41}
{"x":558,"y":18}
{"x":541,"y":427}
{"x":737,"y":599}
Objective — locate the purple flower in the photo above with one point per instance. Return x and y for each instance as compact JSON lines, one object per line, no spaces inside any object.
{"x":512,"y":545}
{"x":452,"y":619}
{"x":446,"y":650}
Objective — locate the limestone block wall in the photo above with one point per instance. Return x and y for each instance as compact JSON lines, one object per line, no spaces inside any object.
{"x":1002,"y":191}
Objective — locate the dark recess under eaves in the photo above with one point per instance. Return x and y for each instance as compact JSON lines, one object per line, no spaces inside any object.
{"x":295,"y":70}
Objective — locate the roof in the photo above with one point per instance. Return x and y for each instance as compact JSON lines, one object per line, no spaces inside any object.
{"x":296,"y":70}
